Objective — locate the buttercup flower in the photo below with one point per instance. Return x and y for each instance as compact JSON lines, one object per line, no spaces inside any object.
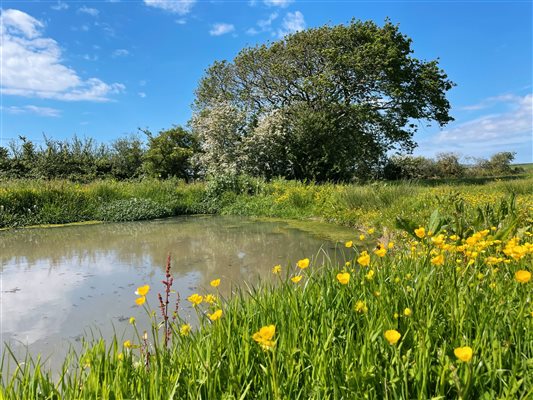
{"x":215,"y":316}
{"x":361,"y":237}
{"x":463,"y":353}
{"x":142,"y":290}
{"x":296,"y":278}
{"x":348,"y":244}
{"x":407,"y":312}
{"x":210,"y":298}
{"x":420,"y":232}
{"x":215,"y":282}
{"x":195,"y":299}
{"x":132,"y":320}
{"x":370,"y":275}
{"x":276,"y":269}
{"x":522,"y":276}
{"x":140,"y":300}
{"x":380,"y":250}
{"x":127,"y":344}
{"x":438,"y":260}
{"x":361,"y":307}
{"x":392,"y":336}
{"x":264,"y":336}
{"x":185,"y":329}
{"x":364,"y":259}
{"x":303,"y":264}
{"x":343,"y":277}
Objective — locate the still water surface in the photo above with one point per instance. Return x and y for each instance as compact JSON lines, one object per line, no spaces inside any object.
{"x":62,"y":283}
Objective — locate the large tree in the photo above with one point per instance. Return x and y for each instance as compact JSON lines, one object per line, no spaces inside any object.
{"x":341,"y":97}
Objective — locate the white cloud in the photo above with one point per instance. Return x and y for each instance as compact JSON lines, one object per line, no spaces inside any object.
{"x":88,"y":57}
{"x":60,"y":6}
{"x":32,"y":64}
{"x":181,"y":21}
{"x":292,"y":22}
{"x":264,"y":25}
{"x":142,"y":95}
{"x":31,"y":109}
{"x":93,"y":12}
{"x":509,"y":130}
{"x":278,"y":3}
{"x":16,"y":22}
{"x":181,"y":7}
{"x":489,"y":102}
{"x":221,"y":29}
{"x":120,"y":53}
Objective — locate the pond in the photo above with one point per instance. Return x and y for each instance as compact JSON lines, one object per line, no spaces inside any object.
{"x":60,"y":284}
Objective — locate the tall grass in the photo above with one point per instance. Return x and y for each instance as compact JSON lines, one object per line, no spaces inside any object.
{"x":34,"y":202}
{"x":439,"y":291}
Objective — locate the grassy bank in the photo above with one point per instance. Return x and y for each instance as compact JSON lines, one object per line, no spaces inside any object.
{"x":37,"y":202}
{"x":24,"y":203}
{"x":444,"y":312}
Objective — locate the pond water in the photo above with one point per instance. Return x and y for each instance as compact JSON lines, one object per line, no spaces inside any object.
{"x":58,"y":284}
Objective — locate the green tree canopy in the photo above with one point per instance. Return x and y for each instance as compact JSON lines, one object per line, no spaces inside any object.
{"x":341,"y":96}
{"x":169,"y":153}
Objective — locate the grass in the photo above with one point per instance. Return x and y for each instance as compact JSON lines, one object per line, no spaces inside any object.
{"x":36,"y":202}
{"x":464,"y":286}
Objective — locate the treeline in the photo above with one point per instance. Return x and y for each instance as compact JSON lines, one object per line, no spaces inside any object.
{"x":175,"y":153}
{"x":448,"y":165}
{"x":167,"y":154}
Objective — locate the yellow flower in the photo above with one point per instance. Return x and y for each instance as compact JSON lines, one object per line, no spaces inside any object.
{"x":132,"y":320}
{"x":215,"y":282}
{"x":276,"y":269}
{"x":185,"y":329}
{"x":140,"y":300}
{"x":120,"y":356}
{"x":361,"y":307}
{"x":390,"y":245}
{"x":522,"y":276}
{"x":343,"y":278}
{"x":396,"y":315}
{"x":364,"y":259}
{"x":377,"y":293}
{"x":347,"y":263}
{"x":420,"y":232}
{"x":210,"y":299}
{"x":215,"y":316}
{"x":348,"y":244}
{"x":361,"y":237}
{"x":407,"y":312}
{"x":392,"y":336}
{"x":370,"y":275}
{"x":371,"y":231}
{"x":127,"y":344}
{"x":264,"y":336}
{"x":195,"y":299}
{"x":142,"y":290}
{"x":296,"y":278}
{"x":463,"y":353}
{"x":303,"y":264}
{"x":380,"y":251}
{"x":438,"y":260}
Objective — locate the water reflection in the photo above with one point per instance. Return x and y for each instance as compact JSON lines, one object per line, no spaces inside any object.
{"x":58,"y":283}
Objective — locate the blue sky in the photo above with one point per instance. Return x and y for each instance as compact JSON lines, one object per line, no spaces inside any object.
{"x":102,"y":69}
